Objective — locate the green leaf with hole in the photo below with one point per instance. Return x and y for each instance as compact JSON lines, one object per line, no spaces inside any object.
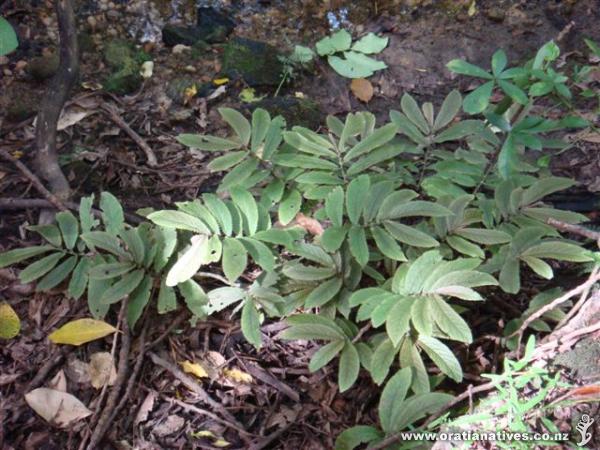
{"x":235,"y":259}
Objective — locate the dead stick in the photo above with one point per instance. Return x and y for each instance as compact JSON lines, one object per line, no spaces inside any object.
{"x":575,"y":229}
{"x":11,"y":204}
{"x":112,"y":114}
{"x":34,"y":180}
{"x":563,"y":298}
{"x":54,"y":100}
{"x":105,"y":419}
{"x":194,"y":387}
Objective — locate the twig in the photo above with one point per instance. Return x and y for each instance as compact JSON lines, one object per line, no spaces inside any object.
{"x":54,"y":100}
{"x":194,"y":387}
{"x":563,"y":298}
{"x":270,"y":438}
{"x":541,"y":351}
{"x":204,"y":412}
{"x":582,"y":299}
{"x":26,"y":203}
{"x":51,"y":198}
{"x":106,"y":418}
{"x":469,"y":392}
{"x":575,"y":229}
{"x":112,"y":114}
{"x":135,"y":373}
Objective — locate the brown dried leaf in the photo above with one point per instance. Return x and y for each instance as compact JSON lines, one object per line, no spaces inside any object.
{"x":362,"y":89}
{"x":313,"y":226}
{"x":59,"y":382}
{"x":145,"y":408}
{"x":56,"y":407}
{"x":102,"y":369}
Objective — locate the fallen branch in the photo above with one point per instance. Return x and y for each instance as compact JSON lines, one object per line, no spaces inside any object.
{"x":550,"y":306}
{"x":106,"y":418}
{"x":194,"y":387}
{"x":575,"y":229}
{"x":112,"y":114}
{"x":11,"y":204}
{"x":51,"y":198}
{"x":54,"y":100}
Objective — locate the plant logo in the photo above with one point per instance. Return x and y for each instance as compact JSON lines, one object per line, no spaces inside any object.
{"x":584,"y":423}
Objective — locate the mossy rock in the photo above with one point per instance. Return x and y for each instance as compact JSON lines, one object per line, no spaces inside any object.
{"x":22,"y":102}
{"x":43,"y":67}
{"x":124,"y":81}
{"x":177,"y":87}
{"x":296,"y":111}
{"x":125,"y":60}
{"x":257,"y":63}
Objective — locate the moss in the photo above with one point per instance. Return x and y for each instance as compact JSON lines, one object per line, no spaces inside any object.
{"x":125,"y":60}
{"x":257,"y":63}
{"x":43,"y":67}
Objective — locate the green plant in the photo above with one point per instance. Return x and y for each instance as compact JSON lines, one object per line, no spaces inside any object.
{"x":410,"y":220}
{"x":8,"y":37}
{"x":520,"y":402}
{"x":355,"y":63}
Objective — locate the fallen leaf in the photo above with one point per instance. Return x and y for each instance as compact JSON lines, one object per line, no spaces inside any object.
{"x":237,"y":375}
{"x":203,"y":433}
{"x":362,"y":89}
{"x":220,"y":81}
{"x":194,"y":368}
{"x":221,"y":443}
{"x":10,"y":324}
{"x":80,"y":331}
{"x":145,"y":408}
{"x":78,"y":371}
{"x":102,"y":370}
{"x":56,"y":407}
{"x":72,"y":116}
{"x":591,"y":137}
{"x":171,"y":425}
{"x":59,"y":382}
{"x":313,"y":226}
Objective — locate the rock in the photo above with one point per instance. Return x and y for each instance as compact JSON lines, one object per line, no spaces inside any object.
{"x":257,"y":63}
{"x":124,"y":81}
{"x":496,"y":14}
{"x":118,"y":53}
{"x":212,"y":26}
{"x":22,"y":102}
{"x":43,"y":67}
{"x":182,"y":89}
{"x":295,"y":111}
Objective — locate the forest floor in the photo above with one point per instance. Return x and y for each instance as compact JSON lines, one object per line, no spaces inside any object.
{"x":284,"y":406}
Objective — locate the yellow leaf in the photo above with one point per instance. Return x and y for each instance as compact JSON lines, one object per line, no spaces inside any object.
{"x":237,"y":375}
{"x":194,"y":368}
{"x":10,"y":325}
{"x":248,"y":95}
{"x":221,"y":443}
{"x":472,"y":8}
{"x":220,"y":81}
{"x":189,"y":93}
{"x":362,"y":89}
{"x":80,"y":331}
{"x":203,"y":433}
{"x":17,"y":154}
